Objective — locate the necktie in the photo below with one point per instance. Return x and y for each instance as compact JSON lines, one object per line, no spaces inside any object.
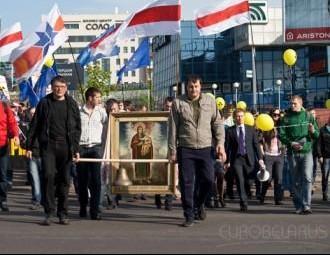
{"x":241,"y":149}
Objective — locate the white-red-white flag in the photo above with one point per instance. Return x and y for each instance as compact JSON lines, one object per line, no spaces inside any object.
{"x":225,"y":15}
{"x":161,"y":17}
{"x":10,"y":39}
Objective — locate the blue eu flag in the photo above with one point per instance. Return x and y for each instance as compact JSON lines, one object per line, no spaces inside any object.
{"x":141,"y":58}
{"x":27,"y":93}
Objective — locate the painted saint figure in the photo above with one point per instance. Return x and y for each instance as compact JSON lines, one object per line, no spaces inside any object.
{"x":142,"y":148}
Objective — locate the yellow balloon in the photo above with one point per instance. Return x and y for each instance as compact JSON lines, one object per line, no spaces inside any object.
{"x":221,"y":103}
{"x":211,"y":95}
{"x":49,"y":62}
{"x":241,"y":105}
{"x":264,"y":122}
{"x":327,"y":104}
{"x":290,"y":57}
{"x":248,"y":119}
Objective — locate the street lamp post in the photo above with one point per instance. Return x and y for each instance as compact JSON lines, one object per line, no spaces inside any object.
{"x":175,"y":89}
{"x":236,"y":86}
{"x":214,"y":87}
{"x":279,"y":83}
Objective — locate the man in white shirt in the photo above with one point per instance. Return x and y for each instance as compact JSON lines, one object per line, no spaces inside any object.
{"x":93,"y":124}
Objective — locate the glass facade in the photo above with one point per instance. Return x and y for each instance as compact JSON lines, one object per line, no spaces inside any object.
{"x":215,"y":59}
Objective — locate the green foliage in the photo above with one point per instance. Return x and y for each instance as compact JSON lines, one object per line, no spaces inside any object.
{"x":99,"y":78}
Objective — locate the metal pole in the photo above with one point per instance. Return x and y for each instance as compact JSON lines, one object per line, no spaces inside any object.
{"x":236,"y":96}
{"x":279,"y":97}
{"x":254,"y":77}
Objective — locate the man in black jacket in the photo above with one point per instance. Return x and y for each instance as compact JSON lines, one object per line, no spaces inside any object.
{"x":242,"y":147}
{"x":57,"y":127}
{"x":323,"y":151}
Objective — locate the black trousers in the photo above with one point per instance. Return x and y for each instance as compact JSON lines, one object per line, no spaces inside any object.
{"x":242,"y":170}
{"x":4,"y":159}
{"x":55,"y":177}
{"x":196,"y":176}
{"x":89,"y":177}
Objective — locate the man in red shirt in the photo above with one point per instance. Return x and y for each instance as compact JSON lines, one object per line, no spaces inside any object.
{"x":8,"y":129}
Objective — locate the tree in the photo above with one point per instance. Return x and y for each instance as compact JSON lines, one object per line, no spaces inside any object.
{"x":99,"y":78}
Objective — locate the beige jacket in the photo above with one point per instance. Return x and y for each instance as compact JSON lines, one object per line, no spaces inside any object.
{"x":184,"y":132}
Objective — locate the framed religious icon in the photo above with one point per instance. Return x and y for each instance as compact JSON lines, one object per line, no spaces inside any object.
{"x":139,"y":141}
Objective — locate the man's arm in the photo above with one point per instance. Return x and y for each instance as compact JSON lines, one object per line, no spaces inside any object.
{"x":173,"y":126}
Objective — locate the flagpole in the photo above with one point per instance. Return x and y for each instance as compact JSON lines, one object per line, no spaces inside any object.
{"x":76,"y":69}
{"x":254,"y":71}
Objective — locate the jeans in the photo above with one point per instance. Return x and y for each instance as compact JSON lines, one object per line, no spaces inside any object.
{"x":274,"y":165}
{"x":196,"y":176}
{"x":35,"y":171}
{"x":4,"y":158}
{"x":89,"y":177}
{"x":302,"y":173}
{"x":325,"y":168}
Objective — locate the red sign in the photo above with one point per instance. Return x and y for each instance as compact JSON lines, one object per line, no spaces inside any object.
{"x":307,"y":34}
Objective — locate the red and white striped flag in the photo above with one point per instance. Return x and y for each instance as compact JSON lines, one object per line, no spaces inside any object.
{"x":227,"y":14}
{"x":161,"y":17}
{"x":10,"y":39}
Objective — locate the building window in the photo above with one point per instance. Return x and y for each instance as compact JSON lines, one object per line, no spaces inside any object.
{"x":84,"y":38}
{"x":71,"y":26}
{"x":126,"y":74}
{"x":118,"y":61}
{"x":133,"y":73}
{"x":125,"y":60}
{"x":125,"y":49}
{"x":132,"y":49}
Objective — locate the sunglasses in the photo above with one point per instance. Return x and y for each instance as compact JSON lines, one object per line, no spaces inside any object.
{"x":276,"y":114}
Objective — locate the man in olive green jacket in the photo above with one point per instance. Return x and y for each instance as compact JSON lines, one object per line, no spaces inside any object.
{"x":298,"y":129}
{"x":194,"y":125}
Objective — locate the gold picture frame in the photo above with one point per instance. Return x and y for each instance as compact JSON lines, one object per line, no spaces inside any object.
{"x":140,"y":136}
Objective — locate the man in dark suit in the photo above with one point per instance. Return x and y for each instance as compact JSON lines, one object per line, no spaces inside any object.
{"x":242,"y":148}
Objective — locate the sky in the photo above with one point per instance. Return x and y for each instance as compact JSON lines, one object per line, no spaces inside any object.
{"x":29,"y":12}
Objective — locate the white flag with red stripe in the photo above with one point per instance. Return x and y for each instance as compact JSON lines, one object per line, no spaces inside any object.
{"x":161,"y":17}
{"x":10,"y":39}
{"x":227,"y":14}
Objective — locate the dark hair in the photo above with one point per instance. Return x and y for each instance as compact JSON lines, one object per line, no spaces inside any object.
{"x":311,"y":108}
{"x":110,"y":102}
{"x":90,"y":92}
{"x":169,"y":99}
{"x":274,"y":110}
{"x":58,"y":78}
{"x":193,"y":78}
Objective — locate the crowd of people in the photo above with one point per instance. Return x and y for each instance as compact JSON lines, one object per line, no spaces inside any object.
{"x":210,"y":147}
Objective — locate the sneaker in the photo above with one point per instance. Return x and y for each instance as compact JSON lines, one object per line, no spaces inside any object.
{"x":64,"y":220}
{"x":200,"y":213}
{"x":298,"y":211}
{"x":188,"y":223}
{"x":306,"y":212}
{"x":222,"y":203}
{"x":96,"y":217}
{"x":278,"y":203}
{"x":35,"y":206}
{"x":4,"y":207}
{"x":47,"y":221}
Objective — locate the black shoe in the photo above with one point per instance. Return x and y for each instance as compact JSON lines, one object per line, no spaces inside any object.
{"x":158,"y":201}
{"x":262,"y":200}
{"x":222,"y":203}
{"x":168,"y":206}
{"x":143,"y":197}
{"x":4,"y":207}
{"x":325,"y":197}
{"x":216,"y":203}
{"x":96,"y":217}
{"x":278,"y":203}
{"x":64,"y":220}
{"x":209,"y":204}
{"x":244,"y":208}
{"x":83,"y":212}
{"x":188,"y":223}
{"x":201,"y":213}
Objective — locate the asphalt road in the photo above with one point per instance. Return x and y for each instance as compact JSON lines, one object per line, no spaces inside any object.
{"x":139,"y":227}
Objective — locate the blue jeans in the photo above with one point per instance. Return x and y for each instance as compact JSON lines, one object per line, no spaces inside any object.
{"x":35,"y":171}
{"x":301,"y":166}
{"x":4,"y":158}
{"x":325,"y":168}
